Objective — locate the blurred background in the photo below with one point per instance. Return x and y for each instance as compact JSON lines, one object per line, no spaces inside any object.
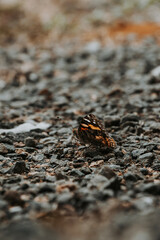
{"x":77,"y":22}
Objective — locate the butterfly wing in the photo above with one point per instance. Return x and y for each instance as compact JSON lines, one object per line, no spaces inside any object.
{"x":91,"y":130}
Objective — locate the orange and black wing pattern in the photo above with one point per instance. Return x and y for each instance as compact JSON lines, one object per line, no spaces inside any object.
{"x":91,"y":131}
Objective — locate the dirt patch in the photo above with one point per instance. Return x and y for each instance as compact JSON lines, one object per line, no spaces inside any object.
{"x":122,"y":29}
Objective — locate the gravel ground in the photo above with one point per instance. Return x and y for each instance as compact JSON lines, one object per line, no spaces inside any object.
{"x":46,"y":176}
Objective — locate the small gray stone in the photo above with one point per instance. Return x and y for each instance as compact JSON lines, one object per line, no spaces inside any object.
{"x":92,"y":47}
{"x":112,"y":121}
{"x":129,"y":176}
{"x":147,"y":159}
{"x":144,"y":171}
{"x":38,"y":157}
{"x":130,"y":117}
{"x":30,"y":142}
{"x":64,"y":197}
{"x":10,"y":148}
{"x":33,"y":77}
{"x":15,"y":210}
{"x":46,"y":187}
{"x":3,"y":149}
{"x":48,"y":70}
{"x":137,"y":152}
{"x":3,"y":204}
{"x":156,"y":166}
{"x":107,"y":54}
{"x":76,"y":173}
{"x":2,"y":158}
{"x":146,"y":155}
{"x":107,"y":172}
{"x":113,"y":184}
{"x":50,"y":178}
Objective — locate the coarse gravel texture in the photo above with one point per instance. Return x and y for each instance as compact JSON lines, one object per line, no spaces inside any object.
{"x":46,"y":174}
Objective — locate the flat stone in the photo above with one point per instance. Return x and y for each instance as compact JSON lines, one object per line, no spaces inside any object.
{"x":130,"y":117}
{"x":38,"y":157}
{"x":46,"y":187}
{"x":152,"y":188}
{"x":112,"y":121}
{"x":64,"y":198}
{"x":137,"y":152}
{"x":76,"y":173}
{"x":146,"y":155}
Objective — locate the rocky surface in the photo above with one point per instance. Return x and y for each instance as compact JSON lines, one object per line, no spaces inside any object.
{"x":45,"y":173}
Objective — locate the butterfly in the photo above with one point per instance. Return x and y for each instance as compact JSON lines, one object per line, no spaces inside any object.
{"x":92,"y":131}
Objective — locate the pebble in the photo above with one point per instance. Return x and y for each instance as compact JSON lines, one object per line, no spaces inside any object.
{"x":130,"y":117}
{"x":156,"y":166}
{"x":129,"y":176}
{"x":86,"y":170}
{"x":144,"y":203}
{"x":39,"y":157}
{"x":33,"y":77}
{"x":10,"y":147}
{"x":46,"y":187}
{"x":144,"y":171}
{"x":155,"y":73}
{"x":152,"y":188}
{"x":136,"y":153}
{"x":92,"y":47}
{"x":19,"y":167}
{"x":107,"y":172}
{"x":48,"y":70}
{"x":13,"y":198}
{"x":78,"y":163}
{"x":3,"y":149}
{"x":29,"y":149}
{"x":64,"y":198}
{"x":146,"y":159}
{"x":112,"y":121}
{"x":30,"y":142}
{"x":15,"y":210}
{"x":113,"y":184}
{"x":107,"y":193}
{"x":2,"y":157}
{"x":107,"y":54}
{"x":60,"y":174}
{"x":50,"y":178}
{"x":3,"y":204}
{"x":76,"y":173}
{"x":54,"y":160}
